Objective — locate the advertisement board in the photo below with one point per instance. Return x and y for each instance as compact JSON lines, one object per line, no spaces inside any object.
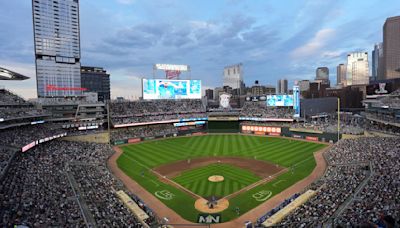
{"x":189,"y":123}
{"x":265,"y":129}
{"x":134,"y":140}
{"x":311,"y":138}
{"x":154,"y":89}
{"x":29,"y":146}
{"x":296,"y":101}
{"x":280,"y":100}
{"x":378,"y":89}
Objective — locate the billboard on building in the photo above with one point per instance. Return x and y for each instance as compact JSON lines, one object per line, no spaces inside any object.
{"x":171,"y":89}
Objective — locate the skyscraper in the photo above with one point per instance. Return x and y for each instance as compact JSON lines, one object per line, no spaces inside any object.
{"x":341,"y":74}
{"x":377,"y":55}
{"x":357,"y":69}
{"x":233,"y":77}
{"x":391,"y":48}
{"x":57,"y":47}
{"x":282,"y":86}
{"x":322,"y":75}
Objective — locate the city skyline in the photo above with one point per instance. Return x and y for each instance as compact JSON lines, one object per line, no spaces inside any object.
{"x":272,"y":40}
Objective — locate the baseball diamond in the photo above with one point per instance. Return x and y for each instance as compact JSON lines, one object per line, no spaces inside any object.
{"x":254,"y":168}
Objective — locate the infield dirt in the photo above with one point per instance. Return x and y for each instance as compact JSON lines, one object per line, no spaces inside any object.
{"x":260,"y":168}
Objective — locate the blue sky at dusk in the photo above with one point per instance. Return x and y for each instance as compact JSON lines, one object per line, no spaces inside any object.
{"x":273,"y":39}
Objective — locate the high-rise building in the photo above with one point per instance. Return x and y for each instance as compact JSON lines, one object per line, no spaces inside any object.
{"x":341,"y":74}
{"x":57,"y":47}
{"x":217,"y":92}
{"x":233,"y":77}
{"x":391,"y":48}
{"x":357,"y":72}
{"x":377,"y":55}
{"x":304,"y":85}
{"x":96,"y":79}
{"x":282,"y":86}
{"x":322,"y":75}
{"x":209,"y":94}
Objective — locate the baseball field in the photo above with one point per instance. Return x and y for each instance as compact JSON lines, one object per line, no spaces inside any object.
{"x":254,"y":168}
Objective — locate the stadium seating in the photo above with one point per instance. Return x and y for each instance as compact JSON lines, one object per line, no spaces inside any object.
{"x":149,"y":111}
{"x":364,"y":172}
{"x":49,"y":186}
{"x":260,"y":109}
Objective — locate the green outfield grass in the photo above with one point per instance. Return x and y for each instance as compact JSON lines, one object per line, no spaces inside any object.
{"x":196,"y":180}
{"x":137,"y":159}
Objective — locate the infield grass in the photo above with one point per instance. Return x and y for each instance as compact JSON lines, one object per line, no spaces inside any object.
{"x":196,"y":180}
{"x":137,"y":159}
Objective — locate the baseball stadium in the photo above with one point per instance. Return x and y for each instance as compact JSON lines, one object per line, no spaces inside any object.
{"x":181,"y":154}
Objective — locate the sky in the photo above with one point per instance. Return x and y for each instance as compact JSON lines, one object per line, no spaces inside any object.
{"x":272,"y":38}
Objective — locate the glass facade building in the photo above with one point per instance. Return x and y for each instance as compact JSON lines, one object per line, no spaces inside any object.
{"x":96,"y":79}
{"x":377,"y":55}
{"x":357,"y":69}
{"x":322,"y":75}
{"x":57,"y":47}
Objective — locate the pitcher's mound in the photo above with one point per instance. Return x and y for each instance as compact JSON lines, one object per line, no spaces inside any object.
{"x":202,"y":206}
{"x":216,"y":178}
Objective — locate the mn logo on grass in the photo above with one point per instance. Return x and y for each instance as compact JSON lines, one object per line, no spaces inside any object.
{"x":209,"y":218}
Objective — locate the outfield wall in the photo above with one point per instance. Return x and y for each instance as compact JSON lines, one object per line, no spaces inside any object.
{"x":270,"y":129}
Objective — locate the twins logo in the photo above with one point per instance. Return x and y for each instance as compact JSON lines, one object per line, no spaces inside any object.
{"x":224,"y":100}
{"x":262,"y":195}
{"x":164,"y":194}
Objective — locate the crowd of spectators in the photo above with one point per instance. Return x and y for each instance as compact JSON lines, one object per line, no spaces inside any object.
{"x":7,"y":113}
{"x":49,"y":186}
{"x":13,"y":106}
{"x":261,"y":110}
{"x":140,"y":111}
{"x":23,"y":135}
{"x":349,"y":124}
{"x":9,"y":98}
{"x":152,"y":117}
{"x":6,"y":155}
{"x":363,"y":172}
{"x":143,"y":131}
{"x":391,"y":101}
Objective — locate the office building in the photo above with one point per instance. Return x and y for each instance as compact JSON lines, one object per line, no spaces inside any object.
{"x":391,"y":48}
{"x":304,"y":85}
{"x":341,"y":74}
{"x":96,"y":79}
{"x":217,"y":92}
{"x":209,"y":94}
{"x":357,"y":72}
{"x":377,"y":55}
{"x":57,"y":48}
{"x":322,"y":75}
{"x":233,"y":77}
{"x":282,"y":86}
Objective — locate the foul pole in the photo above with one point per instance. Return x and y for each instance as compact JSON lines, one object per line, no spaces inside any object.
{"x":338,"y":119}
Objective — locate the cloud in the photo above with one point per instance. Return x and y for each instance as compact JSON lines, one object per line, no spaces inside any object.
{"x":315,"y":45}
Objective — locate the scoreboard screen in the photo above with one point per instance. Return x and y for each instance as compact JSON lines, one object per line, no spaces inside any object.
{"x":280,"y":100}
{"x":154,"y":89}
